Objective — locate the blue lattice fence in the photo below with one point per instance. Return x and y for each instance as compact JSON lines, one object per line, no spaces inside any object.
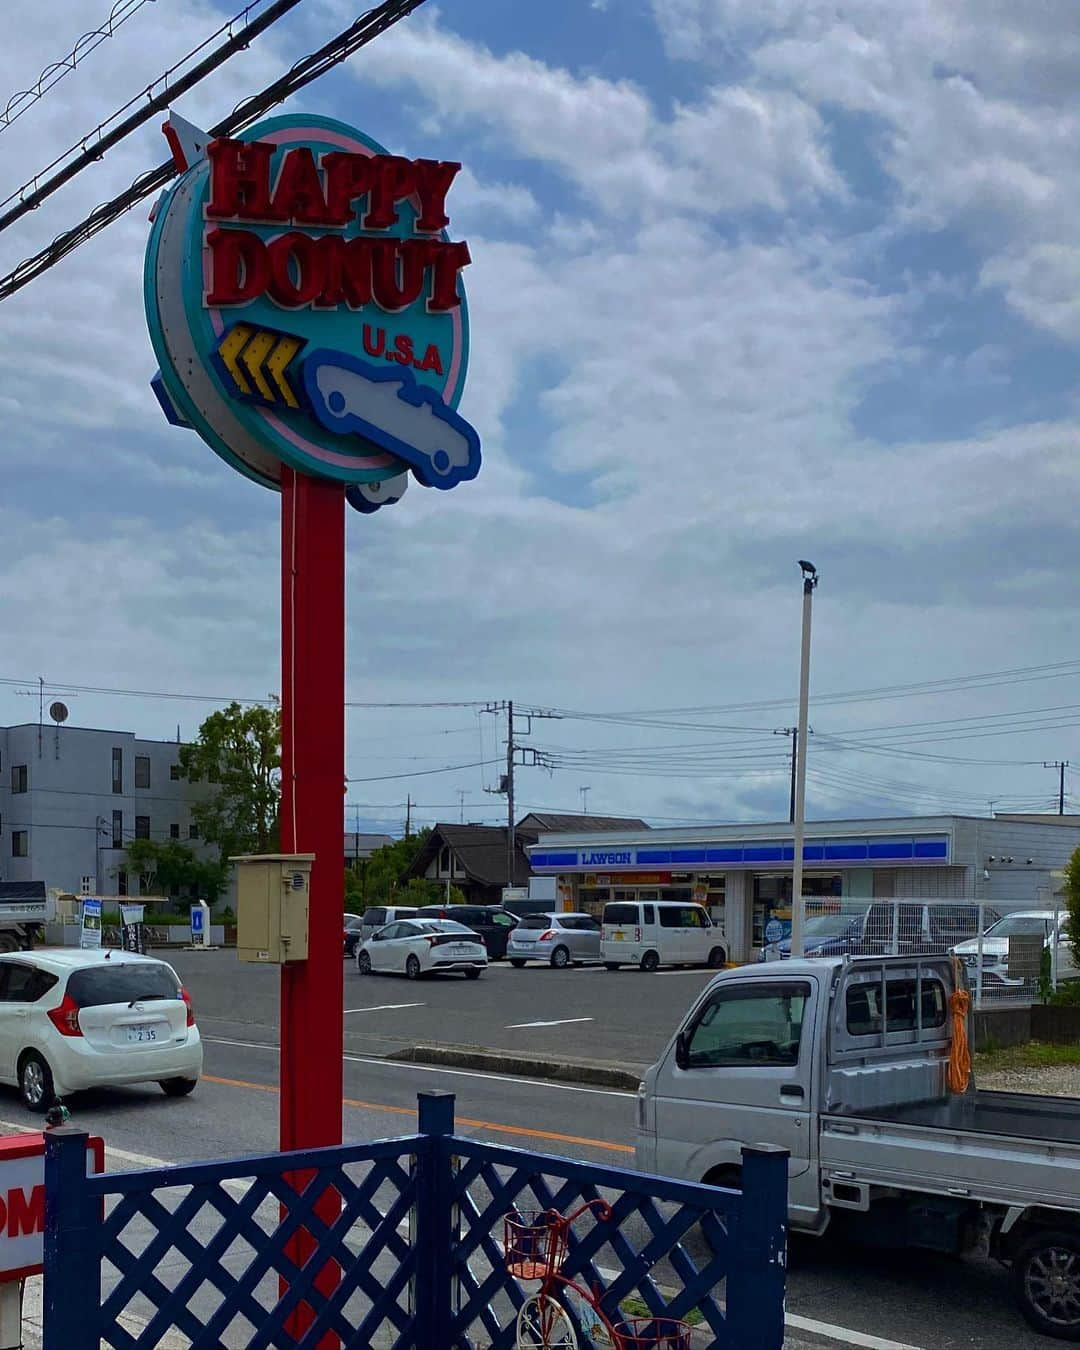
{"x":395,"y":1244}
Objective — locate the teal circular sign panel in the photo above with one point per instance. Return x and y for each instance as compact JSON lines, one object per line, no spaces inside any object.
{"x":306,"y":306}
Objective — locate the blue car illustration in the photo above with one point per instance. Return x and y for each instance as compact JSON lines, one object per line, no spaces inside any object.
{"x":388,"y":407}
{"x":367,"y":498}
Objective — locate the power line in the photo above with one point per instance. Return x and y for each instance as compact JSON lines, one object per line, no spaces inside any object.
{"x":147,"y":104}
{"x":364,"y":30}
{"x":53,"y":73}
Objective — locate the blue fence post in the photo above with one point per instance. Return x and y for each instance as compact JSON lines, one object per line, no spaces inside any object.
{"x":434,"y":1273}
{"x":755,"y":1281}
{"x":72,"y":1285}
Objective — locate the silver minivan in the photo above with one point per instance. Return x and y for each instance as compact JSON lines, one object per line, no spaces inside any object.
{"x":558,"y":939}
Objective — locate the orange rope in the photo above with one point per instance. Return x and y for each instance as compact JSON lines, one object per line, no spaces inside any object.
{"x":959,"y":1052}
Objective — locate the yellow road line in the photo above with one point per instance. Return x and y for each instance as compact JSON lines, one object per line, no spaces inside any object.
{"x":553,"y":1136}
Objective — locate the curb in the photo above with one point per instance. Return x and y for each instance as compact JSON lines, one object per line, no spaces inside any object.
{"x":592,"y":1073}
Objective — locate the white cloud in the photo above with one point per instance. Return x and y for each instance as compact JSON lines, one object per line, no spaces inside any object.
{"x":606,"y":137}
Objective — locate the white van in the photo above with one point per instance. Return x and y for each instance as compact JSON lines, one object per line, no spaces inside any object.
{"x":651,"y":933}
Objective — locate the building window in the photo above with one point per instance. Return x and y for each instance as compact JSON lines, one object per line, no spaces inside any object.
{"x":121,"y":883}
{"x":142,"y":827}
{"x":88,"y":885}
{"x":142,"y":771}
{"x":117,"y":769}
{"x":19,"y":778}
{"x":19,"y":842}
{"x":174,"y":772}
{"x":444,"y":862}
{"x":193,"y":831}
{"x":118,"y":829}
{"x":174,"y":831}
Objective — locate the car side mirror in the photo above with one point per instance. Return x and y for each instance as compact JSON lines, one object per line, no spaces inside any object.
{"x":682,"y":1050}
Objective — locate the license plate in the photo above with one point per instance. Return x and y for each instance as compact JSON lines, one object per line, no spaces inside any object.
{"x":460,"y":947}
{"x":142,"y":1034}
{"x":618,"y":936}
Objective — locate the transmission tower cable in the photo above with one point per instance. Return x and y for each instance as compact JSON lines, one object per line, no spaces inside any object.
{"x":53,"y":73}
{"x":364,"y":30}
{"x":155,"y":98}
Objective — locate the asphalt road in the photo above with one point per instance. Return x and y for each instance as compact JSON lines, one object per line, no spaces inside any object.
{"x":877,"y":1300}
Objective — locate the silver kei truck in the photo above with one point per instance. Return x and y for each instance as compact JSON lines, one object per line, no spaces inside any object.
{"x":845,"y":1063}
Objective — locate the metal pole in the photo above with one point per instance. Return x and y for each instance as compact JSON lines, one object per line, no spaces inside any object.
{"x":510,"y":793}
{"x":810,"y":580}
{"x":794,"y":771}
{"x":312,"y":773}
{"x":313,"y":769}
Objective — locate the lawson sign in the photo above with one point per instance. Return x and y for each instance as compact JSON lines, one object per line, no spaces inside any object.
{"x":911,"y":850}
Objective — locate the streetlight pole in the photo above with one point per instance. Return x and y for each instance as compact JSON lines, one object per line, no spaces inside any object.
{"x":810,"y":580}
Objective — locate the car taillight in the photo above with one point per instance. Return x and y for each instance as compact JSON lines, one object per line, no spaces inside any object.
{"x":190,"y":1006}
{"x":544,"y":936}
{"x":65,"y":1018}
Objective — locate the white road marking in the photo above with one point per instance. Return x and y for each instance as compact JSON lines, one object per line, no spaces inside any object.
{"x":859,"y":1338}
{"x":121,"y":1154}
{"x":385,"y":1007}
{"x":431,"y":1068}
{"x":562,"y":1022}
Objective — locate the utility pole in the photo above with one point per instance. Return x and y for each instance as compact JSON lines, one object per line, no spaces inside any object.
{"x":584,"y":800}
{"x":408,"y":817}
{"x":793,"y":732}
{"x":510,"y":793}
{"x":461,"y":806}
{"x":1061,"y":765}
{"x":810,"y":581}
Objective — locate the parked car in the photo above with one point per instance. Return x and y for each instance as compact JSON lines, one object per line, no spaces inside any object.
{"x":351,"y":933}
{"x":995,"y":946}
{"x":380,"y":915}
{"x":492,"y":922}
{"x":416,"y":947}
{"x":558,"y":939}
{"x":72,"y":1019}
{"x":886,"y":927}
{"x":651,"y":933}
{"x":845,"y":1064}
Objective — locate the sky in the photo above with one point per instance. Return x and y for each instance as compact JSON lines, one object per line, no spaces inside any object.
{"x":752,"y":281}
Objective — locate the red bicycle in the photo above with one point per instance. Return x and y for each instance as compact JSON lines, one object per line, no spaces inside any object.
{"x":565,"y":1315}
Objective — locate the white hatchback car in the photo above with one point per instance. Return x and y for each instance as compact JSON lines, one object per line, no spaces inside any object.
{"x":416,"y":947}
{"x":71,"y":1020}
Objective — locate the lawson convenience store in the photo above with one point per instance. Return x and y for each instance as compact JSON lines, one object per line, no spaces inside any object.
{"x":743,"y":872}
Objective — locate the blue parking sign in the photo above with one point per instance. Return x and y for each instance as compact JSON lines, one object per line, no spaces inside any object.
{"x":196,"y":923}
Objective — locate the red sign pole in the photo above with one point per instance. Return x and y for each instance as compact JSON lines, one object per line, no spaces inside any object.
{"x":312,"y":781}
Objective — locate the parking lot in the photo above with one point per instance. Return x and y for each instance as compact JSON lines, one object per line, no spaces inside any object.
{"x":585,"y":1012}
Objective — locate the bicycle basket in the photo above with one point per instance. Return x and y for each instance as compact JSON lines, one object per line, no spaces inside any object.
{"x":534,"y":1242}
{"x":653,"y":1333}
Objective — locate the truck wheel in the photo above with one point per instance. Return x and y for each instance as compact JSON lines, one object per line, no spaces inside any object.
{"x":717,"y":957}
{"x":1046,"y":1282}
{"x":650,"y":961}
{"x":9,"y":942}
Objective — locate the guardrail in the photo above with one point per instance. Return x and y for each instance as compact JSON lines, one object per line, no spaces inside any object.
{"x":393,"y":1244}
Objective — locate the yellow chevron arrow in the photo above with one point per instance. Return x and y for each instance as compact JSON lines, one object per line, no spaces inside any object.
{"x":231,"y":345}
{"x":252,"y":358}
{"x":279,"y":358}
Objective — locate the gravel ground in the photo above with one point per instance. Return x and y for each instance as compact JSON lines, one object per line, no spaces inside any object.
{"x":1061,"y":1080}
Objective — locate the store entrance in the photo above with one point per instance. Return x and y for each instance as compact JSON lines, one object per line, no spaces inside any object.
{"x":772,"y":898}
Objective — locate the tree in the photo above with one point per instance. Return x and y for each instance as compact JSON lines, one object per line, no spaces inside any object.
{"x":239,"y":752}
{"x":1072,"y":899}
{"x":169,"y":867}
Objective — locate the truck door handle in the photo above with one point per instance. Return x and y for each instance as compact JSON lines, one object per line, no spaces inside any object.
{"x":792,"y":1093}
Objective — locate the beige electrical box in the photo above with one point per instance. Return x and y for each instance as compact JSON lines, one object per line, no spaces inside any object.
{"x":273,"y":893}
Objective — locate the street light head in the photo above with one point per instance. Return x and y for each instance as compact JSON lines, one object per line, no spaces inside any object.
{"x":810,"y":575}
{"x":808,"y":567}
